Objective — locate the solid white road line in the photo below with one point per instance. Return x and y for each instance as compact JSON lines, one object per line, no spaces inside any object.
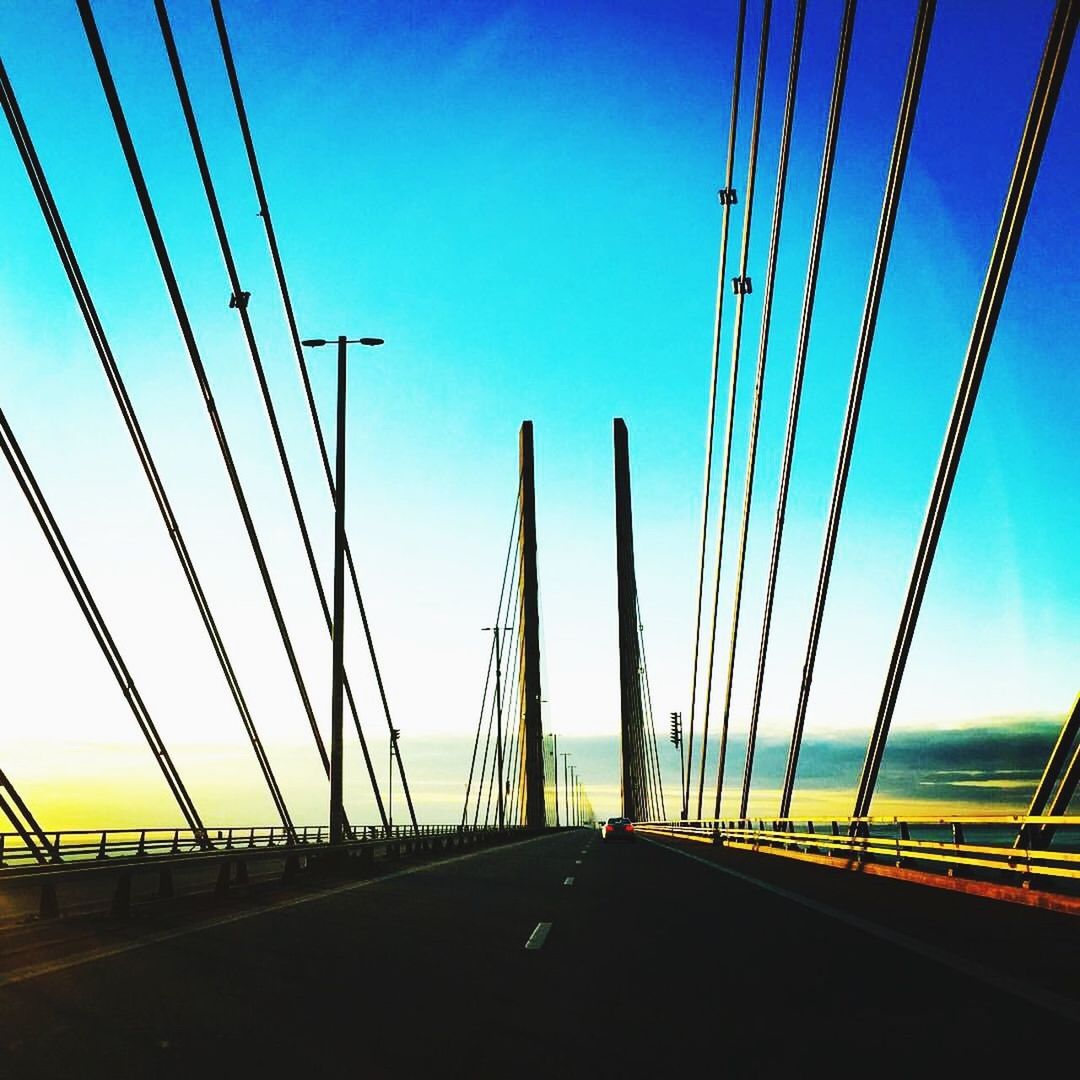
{"x":1036,"y":995}
{"x":538,"y":936}
{"x":569,"y":881}
{"x":51,"y":967}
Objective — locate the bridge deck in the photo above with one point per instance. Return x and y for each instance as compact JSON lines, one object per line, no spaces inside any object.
{"x":657,"y":960}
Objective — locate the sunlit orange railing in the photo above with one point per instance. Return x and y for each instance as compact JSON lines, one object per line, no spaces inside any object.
{"x":1016,"y":847}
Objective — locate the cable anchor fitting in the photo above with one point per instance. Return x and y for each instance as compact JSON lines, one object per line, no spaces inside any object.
{"x":239,"y":300}
{"x":742,"y":286}
{"x":728,"y":196}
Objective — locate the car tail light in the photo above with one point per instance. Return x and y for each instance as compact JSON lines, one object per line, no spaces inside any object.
{"x":629,"y":828}
{"x":607,"y":828}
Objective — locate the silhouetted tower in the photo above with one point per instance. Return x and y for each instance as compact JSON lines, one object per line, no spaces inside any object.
{"x":631,"y":742}
{"x":532,"y":732}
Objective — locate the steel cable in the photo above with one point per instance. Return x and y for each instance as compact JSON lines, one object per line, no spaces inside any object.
{"x":25,"y":824}
{"x":828,"y":159}
{"x":1018,"y":198}
{"x":188,"y":335}
{"x":294,"y":337}
{"x":905,"y":125}
{"x":83,"y":298}
{"x":239,"y":301}
{"x":492,"y":655}
{"x":755,"y":418}
{"x":741,"y":285}
{"x":727,"y":199}
{"x":84,"y":598}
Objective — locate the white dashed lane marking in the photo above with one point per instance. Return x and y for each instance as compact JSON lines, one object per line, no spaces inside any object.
{"x":538,"y":936}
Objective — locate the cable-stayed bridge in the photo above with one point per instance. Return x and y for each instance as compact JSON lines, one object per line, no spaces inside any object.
{"x":519,"y":938}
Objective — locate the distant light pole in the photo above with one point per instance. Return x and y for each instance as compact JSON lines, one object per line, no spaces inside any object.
{"x":337,"y":793}
{"x":677,"y":742}
{"x":566,"y":787}
{"x":498,"y":715}
{"x":395,"y":733}
{"x":555,"y":758}
{"x":571,"y":817}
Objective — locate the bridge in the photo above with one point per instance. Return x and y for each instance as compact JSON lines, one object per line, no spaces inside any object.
{"x":741,"y":928}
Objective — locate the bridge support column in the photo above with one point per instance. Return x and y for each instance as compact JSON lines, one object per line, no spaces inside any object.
{"x":532,"y":732}
{"x":631,"y":749}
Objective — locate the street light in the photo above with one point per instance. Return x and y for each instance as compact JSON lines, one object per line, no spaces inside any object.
{"x":555,"y":759}
{"x":395,"y":734}
{"x":498,"y":714}
{"x":337,"y":794}
{"x":566,"y":785}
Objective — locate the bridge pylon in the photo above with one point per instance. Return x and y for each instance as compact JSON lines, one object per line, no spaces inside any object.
{"x":638,"y":774}
{"x":532,"y":731}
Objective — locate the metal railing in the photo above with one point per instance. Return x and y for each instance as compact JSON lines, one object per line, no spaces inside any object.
{"x":73,"y":846}
{"x":1009,"y":847}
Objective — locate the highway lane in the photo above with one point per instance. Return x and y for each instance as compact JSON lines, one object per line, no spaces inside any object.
{"x":654,"y":963}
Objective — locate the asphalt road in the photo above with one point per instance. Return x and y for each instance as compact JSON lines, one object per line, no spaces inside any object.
{"x":656,"y":963}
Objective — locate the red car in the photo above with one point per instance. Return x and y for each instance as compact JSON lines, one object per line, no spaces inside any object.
{"x":617,"y":829}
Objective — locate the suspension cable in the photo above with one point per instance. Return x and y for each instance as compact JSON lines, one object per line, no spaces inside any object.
{"x":479,"y":726}
{"x":759,"y":384}
{"x":828,"y":159}
{"x":513,"y":597}
{"x":79,"y":287}
{"x":650,"y":728}
{"x":239,"y":301}
{"x":84,"y":598}
{"x":727,"y":200}
{"x":309,"y":395}
{"x":188,"y":335}
{"x":741,"y":286}
{"x":493,"y":656}
{"x":512,"y":707}
{"x":898,"y":160}
{"x":1025,"y":172}
{"x":24,"y":823}
{"x":487,"y":747}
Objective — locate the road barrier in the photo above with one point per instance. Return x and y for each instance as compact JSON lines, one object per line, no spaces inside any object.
{"x":216,"y":858}
{"x":1001,"y":855}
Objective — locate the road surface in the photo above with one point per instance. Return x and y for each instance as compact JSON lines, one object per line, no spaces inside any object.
{"x":558,"y":956}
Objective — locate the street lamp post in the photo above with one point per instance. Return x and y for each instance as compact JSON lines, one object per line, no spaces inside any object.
{"x":555,"y":759}
{"x":337,"y":679}
{"x":394,"y":733}
{"x":566,"y":787}
{"x":572,"y":812}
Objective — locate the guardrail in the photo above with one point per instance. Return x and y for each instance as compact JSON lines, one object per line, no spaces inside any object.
{"x":77,"y":864}
{"x":80,"y":845}
{"x":995,"y":848}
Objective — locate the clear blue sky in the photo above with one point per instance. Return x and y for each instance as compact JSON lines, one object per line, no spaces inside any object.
{"x":521,"y":199}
